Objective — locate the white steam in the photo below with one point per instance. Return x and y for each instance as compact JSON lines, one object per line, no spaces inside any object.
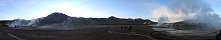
{"x":33,"y":22}
{"x":162,"y":20}
{"x":22,"y":22}
{"x":180,"y":10}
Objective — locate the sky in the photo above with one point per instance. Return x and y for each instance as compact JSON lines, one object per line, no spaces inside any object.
{"x":32,"y":9}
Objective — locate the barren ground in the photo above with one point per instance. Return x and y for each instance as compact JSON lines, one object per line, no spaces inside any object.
{"x":101,"y":33}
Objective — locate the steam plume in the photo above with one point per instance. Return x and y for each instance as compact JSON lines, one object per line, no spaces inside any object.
{"x":162,"y":20}
{"x":180,"y":10}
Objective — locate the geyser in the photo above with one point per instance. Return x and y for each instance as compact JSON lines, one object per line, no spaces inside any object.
{"x":162,"y":20}
{"x":181,"y":10}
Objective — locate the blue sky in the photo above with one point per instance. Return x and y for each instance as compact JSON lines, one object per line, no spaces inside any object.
{"x":31,"y":9}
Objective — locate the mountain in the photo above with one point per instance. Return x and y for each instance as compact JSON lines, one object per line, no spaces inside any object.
{"x":53,"y":18}
{"x":58,"y":19}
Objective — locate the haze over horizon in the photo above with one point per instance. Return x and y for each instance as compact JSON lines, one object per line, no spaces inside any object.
{"x":32,"y":9}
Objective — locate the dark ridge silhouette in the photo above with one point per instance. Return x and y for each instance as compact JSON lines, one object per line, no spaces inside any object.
{"x":55,"y":17}
{"x":60,"y":18}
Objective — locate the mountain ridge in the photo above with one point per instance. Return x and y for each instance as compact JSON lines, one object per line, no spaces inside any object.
{"x":63,"y":19}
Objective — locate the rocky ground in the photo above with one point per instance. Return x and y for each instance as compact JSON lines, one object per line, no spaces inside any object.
{"x":77,"y":34}
{"x":107,"y":32}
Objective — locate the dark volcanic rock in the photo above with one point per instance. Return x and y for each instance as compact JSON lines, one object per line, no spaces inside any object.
{"x":53,"y":18}
{"x":218,"y":36}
